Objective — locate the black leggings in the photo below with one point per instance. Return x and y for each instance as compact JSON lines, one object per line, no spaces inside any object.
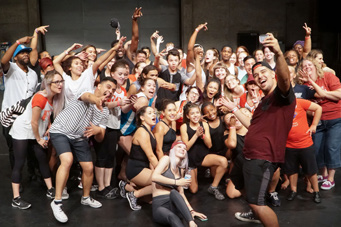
{"x":20,"y":148}
{"x":167,"y":208}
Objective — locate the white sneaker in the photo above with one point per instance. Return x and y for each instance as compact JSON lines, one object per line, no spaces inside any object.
{"x":91,"y":202}
{"x":65,"y":195}
{"x":58,"y":212}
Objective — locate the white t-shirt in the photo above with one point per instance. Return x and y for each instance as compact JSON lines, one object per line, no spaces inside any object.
{"x":18,"y":85}
{"x":84,"y":83}
{"x":114,"y":120}
{"x":22,"y":128}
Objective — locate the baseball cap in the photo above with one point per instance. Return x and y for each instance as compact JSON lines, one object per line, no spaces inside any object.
{"x":45,"y":62}
{"x":260,"y":63}
{"x":21,"y":48}
{"x":115,"y":23}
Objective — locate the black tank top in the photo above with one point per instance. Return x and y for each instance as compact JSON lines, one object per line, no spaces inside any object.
{"x":136,"y":151}
{"x":168,"y":139}
{"x":217,"y":137}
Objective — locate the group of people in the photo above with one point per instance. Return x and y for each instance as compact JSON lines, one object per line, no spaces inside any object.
{"x":247,"y":119}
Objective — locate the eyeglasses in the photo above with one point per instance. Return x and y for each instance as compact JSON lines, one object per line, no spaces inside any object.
{"x":58,"y":82}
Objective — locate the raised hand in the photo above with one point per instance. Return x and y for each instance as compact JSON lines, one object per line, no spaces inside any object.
{"x":202,"y":26}
{"x":137,"y":13}
{"x":307,"y":29}
{"x":272,"y":43}
{"x":25,"y":40}
{"x":42,"y":29}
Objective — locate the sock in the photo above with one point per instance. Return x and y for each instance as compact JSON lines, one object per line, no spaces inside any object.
{"x":16,"y":198}
{"x":85,"y":197}
{"x":57,"y":202}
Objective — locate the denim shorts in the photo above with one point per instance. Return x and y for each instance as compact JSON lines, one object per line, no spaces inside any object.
{"x":79,"y":147}
{"x":327,"y":141}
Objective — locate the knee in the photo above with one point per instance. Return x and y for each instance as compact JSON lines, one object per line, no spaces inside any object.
{"x":88,"y":168}
{"x":223,"y":162}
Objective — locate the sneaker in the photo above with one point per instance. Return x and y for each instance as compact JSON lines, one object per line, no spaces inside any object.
{"x":65,"y":195}
{"x":317,"y":197}
{"x":274,"y":200}
{"x":106,"y":193}
{"x":132,"y":201}
{"x":58,"y":212}
{"x":122,"y":184}
{"x":327,"y":185}
{"x":247,"y":217}
{"x":291,"y":196}
{"x":215,"y":191}
{"x":20,"y":203}
{"x":90,"y":202}
{"x":50,"y":193}
{"x":321,"y":178}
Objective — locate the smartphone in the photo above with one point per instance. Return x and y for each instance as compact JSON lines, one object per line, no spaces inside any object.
{"x":262,"y":37}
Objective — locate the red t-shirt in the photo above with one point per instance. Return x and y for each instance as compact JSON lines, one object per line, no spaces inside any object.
{"x":270,"y":125}
{"x":330,"y":109}
{"x":298,"y":136}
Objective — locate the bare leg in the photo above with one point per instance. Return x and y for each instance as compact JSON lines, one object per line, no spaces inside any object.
{"x":266,"y":215}
{"x":87,"y":177}
{"x":293,"y":182}
{"x":66,"y":160}
{"x":99,"y":172}
{"x":220,"y":162}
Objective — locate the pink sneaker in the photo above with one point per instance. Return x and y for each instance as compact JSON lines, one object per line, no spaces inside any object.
{"x":327,"y":185}
{"x":321,"y":178}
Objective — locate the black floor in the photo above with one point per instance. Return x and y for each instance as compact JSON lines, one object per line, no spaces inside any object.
{"x":300,"y":212}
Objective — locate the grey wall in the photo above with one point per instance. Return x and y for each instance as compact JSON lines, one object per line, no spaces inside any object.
{"x":87,"y":21}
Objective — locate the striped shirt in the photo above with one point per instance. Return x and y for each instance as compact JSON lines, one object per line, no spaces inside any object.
{"x":76,"y":116}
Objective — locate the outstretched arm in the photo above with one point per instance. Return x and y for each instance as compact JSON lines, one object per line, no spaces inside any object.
{"x":190,"y":46}
{"x":135,"y":33}
{"x":282,"y":70}
{"x":57,"y":62}
{"x":307,"y":41}
{"x":34,"y":43}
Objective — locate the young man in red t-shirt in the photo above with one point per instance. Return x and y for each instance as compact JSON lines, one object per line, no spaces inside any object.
{"x":267,"y":133}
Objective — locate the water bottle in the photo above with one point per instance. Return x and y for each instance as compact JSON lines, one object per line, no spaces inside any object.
{"x":46,"y":138}
{"x":187,"y":176}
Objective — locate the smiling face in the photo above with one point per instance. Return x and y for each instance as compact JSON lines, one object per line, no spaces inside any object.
{"x":180,"y":151}
{"x":193,"y":95}
{"x":265,"y":78}
{"x":310,"y":69}
{"x":231,"y":82}
{"x":212,"y":89}
{"x":169,"y":112}
{"x":227,"y":120}
{"x":152,"y":74}
{"x":220,"y":73}
{"x":268,"y":54}
{"x":292,"y":58}
{"x":149,"y":88}
{"x":233,"y":59}
{"x":120,"y":75}
{"x":241,"y":57}
{"x":210,"y":112}
{"x":194,"y":115}
{"x":248,"y":65}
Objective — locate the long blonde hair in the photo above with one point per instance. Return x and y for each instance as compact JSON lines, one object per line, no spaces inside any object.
{"x":172,"y":160}
{"x":58,"y":99}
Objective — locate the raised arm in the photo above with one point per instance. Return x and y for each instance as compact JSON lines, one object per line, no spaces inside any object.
{"x":307,"y":41}
{"x":102,"y":61}
{"x":231,"y":106}
{"x":34,"y":43}
{"x":57,"y":62}
{"x":190,"y":46}
{"x":282,"y":70}
{"x":135,"y":33}
{"x":9,"y":53}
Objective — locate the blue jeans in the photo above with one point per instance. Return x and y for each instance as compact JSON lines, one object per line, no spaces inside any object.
{"x":327,"y":141}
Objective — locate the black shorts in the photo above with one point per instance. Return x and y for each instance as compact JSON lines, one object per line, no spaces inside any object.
{"x":106,"y":150}
{"x":134,"y":167}
{"x":254,"y":177}
{"x":79,"y":147}
{"x":302,"y":156}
